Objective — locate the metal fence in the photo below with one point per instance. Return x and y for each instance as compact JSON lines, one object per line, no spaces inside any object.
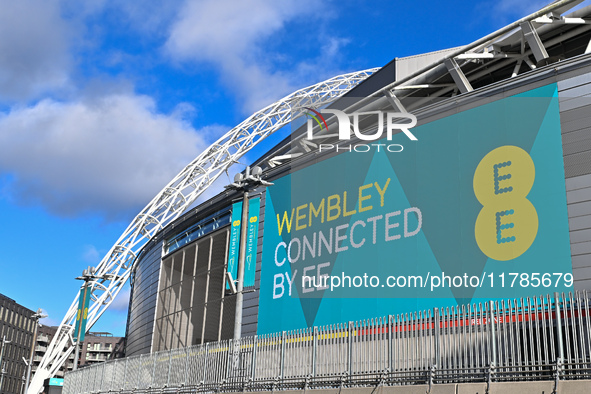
{"x":540,"y":338}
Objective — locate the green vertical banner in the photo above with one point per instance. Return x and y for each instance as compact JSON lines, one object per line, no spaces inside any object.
{"x":234,"y":248}
{"x":250,"y":261}
{"x":82,"y":313}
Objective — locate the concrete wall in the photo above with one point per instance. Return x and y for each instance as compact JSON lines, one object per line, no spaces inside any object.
{"x":564,"y":387}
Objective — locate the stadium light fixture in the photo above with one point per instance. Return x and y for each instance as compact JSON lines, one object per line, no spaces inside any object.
{"x":36,"y":317}
{"x":250,"y":180}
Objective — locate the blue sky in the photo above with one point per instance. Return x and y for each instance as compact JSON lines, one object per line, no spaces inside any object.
{"x":103,"y":102}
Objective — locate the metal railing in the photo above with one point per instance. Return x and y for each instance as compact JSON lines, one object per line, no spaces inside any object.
{"x":538,"y":338}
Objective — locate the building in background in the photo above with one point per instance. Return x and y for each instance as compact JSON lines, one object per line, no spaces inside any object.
{"x":101,"y":346}
{"x":16,"y":338}
{"x":97,"y":347}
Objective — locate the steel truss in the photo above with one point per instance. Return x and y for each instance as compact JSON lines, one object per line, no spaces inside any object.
{"x":511,"y":51}
{"x":115,"y":268}
{"x":452,"y":74}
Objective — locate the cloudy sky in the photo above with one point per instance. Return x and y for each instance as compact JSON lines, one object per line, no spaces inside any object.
{"x":102,"y":102}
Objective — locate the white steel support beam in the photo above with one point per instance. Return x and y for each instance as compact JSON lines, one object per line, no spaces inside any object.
{"x":534,"y":41}
{"x":458,"y":75}
{"x":517,"y":67}
{"x":116,"y":267}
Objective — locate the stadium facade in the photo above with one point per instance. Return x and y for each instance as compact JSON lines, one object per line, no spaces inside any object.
{"x":536,"y":106}
{"x":468,"y":230}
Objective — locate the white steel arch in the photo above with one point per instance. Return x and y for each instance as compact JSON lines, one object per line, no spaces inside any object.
{"x":115,"y":268}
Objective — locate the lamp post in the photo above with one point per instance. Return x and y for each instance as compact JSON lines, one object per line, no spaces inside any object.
{"x":2,"y":371}
{"x":37,"y":316}
{"x":251,"y":179}
{"x":87,"y":276}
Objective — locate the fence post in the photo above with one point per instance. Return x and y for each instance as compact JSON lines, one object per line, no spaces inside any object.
{"x":139,"y":375}
{"x":314,"y":350}
{"x":390,"y":325}
{"x":282,"y":354}
{"x":254,"y":358}
{"x":154,"y":358}
{"x":186,"y":378}
{"x":350,"y":350}
{"x":102,"y":377}
{"x":558,"y":333}
{"x":205,"y":362}
{"x":436,"y":331}
{"x":169,"y":365}
{"x":233,"y":360}
{"x":125,"y":374}
{"x":493,"y":334}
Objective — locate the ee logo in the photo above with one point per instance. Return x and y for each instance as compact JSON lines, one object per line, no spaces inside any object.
{"x":508,"y":222}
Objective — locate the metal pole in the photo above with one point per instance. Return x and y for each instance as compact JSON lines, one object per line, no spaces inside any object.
{"x":493,"y":335}
{"x":558,"y":326}
{"x":240,"y":278}
{"x":281,"y":368}
{"x":390,"y":325}
{"x":169,"y":365}
{"x":34,"y":343}
{"x":314,"y":350}
{"x":77,"y":348}
{"x":4,"y":342}
{"x":254,"y":357}
{"x":350,"y":349}
{"x":436,"y":332}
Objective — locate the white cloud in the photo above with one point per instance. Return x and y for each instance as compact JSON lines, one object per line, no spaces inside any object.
{"x":232,"y":36}
{"x":121,"y":302}
{"x":34,"y":48}
{"x":91,"y":255}
{"x":519,"y":7}
{"x":48,"y":321}
{"x":109,"y":154}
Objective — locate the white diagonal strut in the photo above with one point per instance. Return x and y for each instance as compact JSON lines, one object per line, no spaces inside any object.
{"x":115,"y":268}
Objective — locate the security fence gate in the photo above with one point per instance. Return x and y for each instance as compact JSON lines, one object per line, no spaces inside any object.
{"x":531,"y":339}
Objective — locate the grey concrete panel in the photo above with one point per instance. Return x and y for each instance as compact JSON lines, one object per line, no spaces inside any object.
{"x":574,"y":387}
{"x":576,"y":142}
{"x":580,"y":285}
{"x":575,"y":125}
{"x":522,"y":387}
{"x":578,"y":236}
{"x":581,"y":261}
{"x":581,"y":248}
{"x":568,"y":104}
{"x":579,"y":182}
{"x":574,"y":92}
{"x":573,"y":114}
{"x":577,"y":164}
{"x":580,"y":222}
{"x":579,"y":209}
{"x":471,"y":388}
{"x":584,"y":272}
{"x":567,"y":84}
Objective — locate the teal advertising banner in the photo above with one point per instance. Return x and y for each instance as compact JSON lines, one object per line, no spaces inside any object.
{"x":474,"y":209}
{"x":82,"y":313}
{"x":234,"y":246}
{"x":254,"y":206}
